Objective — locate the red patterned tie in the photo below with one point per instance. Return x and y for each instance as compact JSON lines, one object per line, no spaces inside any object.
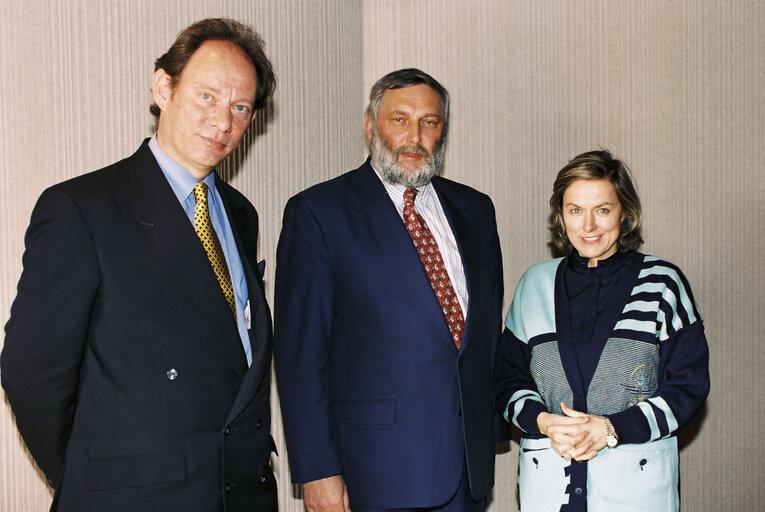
{"x":434,"y":266}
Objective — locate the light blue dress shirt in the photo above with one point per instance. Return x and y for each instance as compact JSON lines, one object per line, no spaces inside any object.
{"x":183,"y":183}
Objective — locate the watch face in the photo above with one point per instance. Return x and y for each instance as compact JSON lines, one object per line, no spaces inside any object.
{"x":611,"y":441}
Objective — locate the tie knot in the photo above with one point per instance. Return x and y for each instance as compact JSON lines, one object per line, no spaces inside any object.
{"x":200,"y":192}
{"x":409,"y":195}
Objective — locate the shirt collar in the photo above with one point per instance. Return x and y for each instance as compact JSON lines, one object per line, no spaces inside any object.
{"x":396,"y":191}
{"x":607,"y":266}
{"x":181,"y":181}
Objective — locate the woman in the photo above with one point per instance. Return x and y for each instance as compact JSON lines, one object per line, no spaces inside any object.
{"x":604,"y":357}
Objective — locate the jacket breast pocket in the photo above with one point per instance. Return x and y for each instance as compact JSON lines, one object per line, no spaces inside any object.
{"x":135,"y":470}
{"x":364,"y":412}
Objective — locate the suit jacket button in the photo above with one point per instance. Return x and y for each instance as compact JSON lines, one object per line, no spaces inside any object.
{"x":259,"y":425}
{"x":226,"y":431}
{"x":227,"y":487}
{"x":172,"y":374}
{"x":263,"y":479}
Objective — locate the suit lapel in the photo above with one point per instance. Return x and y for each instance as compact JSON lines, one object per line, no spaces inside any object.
{"x":246,"y":237}
{"x":171,"y":242}
{"x":381,"y":220}
{"x":465,"y":232}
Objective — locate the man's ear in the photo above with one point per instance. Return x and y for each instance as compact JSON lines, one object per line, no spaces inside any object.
{"x":161,"y":88}
{"x":368,"y":126}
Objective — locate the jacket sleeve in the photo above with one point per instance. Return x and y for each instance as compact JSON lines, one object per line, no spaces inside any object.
{"x":303,"y":316}
{"x":683,"y":379}
{"x":516,"y":394}
{"x":46,"y":334}
{"x":682,"y":390}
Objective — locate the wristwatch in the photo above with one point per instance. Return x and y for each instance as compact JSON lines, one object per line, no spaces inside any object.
{"x":611,"y":438}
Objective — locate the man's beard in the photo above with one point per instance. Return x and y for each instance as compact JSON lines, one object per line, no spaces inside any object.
{"x":385,"y":161}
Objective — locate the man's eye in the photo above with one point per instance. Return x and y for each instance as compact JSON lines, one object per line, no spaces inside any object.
{"x":205,"y":96}
{"x":241,"y":108}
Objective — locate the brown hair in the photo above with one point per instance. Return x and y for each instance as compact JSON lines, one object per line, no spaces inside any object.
{"x":598,"y":165}
{"x":219,"y":29}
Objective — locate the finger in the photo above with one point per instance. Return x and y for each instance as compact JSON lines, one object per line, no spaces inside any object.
{"x":567,"y":420}
{"x":571,"y":413}
{"x":577,"y":451}
{"x":569,"y":440}
{"x":562,"y":450}
{"x":587,"y":456}
{"x":579,"y":439}
{"x":567,"y":430}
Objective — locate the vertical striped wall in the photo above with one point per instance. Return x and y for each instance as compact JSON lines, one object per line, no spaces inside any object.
{"x":672,"y":87}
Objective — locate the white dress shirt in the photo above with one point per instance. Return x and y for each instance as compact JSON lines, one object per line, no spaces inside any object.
{"x":427,"y":204}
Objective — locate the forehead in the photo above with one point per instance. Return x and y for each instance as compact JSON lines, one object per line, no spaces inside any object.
{"x":594,"y":190}
{"x":223,"y":64}
{"x":416,"y":98}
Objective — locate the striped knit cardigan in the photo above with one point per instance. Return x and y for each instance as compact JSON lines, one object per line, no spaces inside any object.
{"x":651,"y":380}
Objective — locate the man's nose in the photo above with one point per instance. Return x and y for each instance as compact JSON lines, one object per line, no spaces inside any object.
{"x":222,"y":118}
{"x":413,"y":136}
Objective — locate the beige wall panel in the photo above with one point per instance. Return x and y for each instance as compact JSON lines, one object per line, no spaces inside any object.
{"x":75,"y":87}
{"x":673,"y":88}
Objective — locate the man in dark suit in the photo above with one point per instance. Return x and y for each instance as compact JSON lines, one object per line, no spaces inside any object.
{"x":386,"y":317}
{"x":137,"y":354}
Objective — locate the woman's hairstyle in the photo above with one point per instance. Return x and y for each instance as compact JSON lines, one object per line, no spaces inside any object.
{"x":598,"y":165}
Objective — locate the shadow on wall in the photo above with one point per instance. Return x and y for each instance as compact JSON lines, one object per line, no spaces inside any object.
{"x":689,"y":433}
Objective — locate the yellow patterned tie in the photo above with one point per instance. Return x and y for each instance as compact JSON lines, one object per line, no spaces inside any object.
{"x":206,"y":233}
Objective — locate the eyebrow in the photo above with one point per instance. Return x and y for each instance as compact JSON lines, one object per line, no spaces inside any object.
{"x":206,"y":87}
{"x":407,"y":114}
{"x":596,"y":206}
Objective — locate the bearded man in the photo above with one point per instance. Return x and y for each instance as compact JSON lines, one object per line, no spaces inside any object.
{"x":387,"y":313}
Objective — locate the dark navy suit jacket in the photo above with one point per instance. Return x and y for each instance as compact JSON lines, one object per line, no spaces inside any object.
{"x":122,"y":362}
{"x":371,"y":384}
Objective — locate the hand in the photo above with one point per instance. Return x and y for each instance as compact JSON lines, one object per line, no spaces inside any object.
{"x":566,"y":434}
{"x":595,"y":430}
{"x":326,"y":495}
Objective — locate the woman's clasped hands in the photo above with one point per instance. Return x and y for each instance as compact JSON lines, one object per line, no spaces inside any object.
{"x":575,"y":435}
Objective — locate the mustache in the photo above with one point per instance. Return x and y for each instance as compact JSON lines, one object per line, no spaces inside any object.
{"x":414,"y":149}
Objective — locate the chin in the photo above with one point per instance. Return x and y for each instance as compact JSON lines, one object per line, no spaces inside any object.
{"x":409,"y":168}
